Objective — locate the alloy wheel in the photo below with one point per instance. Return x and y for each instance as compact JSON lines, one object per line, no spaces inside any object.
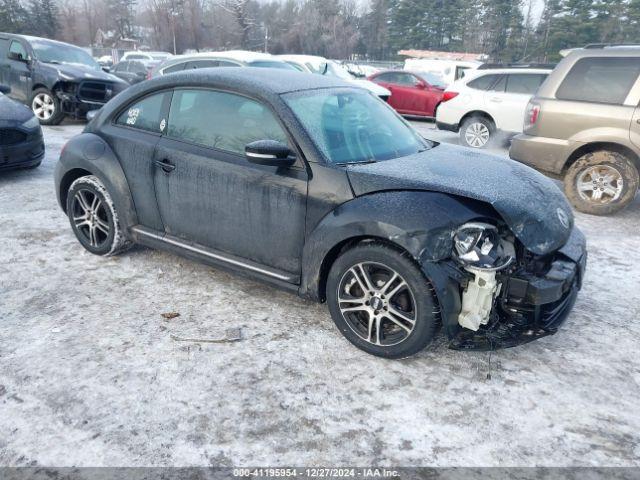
{"x":377,"y":304}
{"x":600,"y":184}
{"x":43,"y":106}
{"x":90,"y":217}
{"x":477,"y":134}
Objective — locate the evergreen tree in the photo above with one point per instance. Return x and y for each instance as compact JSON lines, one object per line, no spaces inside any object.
{"x":13,"y":16}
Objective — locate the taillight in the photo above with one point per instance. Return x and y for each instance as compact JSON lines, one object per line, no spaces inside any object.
{"x":531,"y":117}
{"x":446,"y":96}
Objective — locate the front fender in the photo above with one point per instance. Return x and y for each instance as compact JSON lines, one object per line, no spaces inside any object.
{"x":88,"y":153}
{"x":419,"y":222}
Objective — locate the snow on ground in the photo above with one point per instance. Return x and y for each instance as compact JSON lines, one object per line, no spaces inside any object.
{"x":91,"y":377}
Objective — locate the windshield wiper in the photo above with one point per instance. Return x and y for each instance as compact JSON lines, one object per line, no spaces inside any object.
{"x":364,"y":162}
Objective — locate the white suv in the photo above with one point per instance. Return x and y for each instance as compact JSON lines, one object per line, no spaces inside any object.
{"x":487,"y":102}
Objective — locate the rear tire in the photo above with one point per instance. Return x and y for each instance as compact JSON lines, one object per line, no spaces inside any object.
{"x":601,"y":183}
{"x":477,"y":132}
{"x":381,"y":302}
{"x":46,"y":106}
{"x":93,"y":217}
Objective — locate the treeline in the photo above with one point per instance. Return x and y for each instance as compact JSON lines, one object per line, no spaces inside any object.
{"x":506,"y":30}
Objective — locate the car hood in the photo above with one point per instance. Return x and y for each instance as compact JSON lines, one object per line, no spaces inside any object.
{"x":13,"y":113}
{"x":76,"y":71}
{"x":531,"y":204}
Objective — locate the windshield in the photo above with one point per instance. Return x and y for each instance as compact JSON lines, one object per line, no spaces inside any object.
{"x":350,"y":126}
{"x":272,"y":64}
{"x":335,"y":70}
{"x":432,"y":79}
{"x":60,"y":53}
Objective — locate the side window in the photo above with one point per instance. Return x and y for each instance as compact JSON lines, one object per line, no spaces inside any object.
{"x":500,"y":85}
{"x":174,"y":68}
{"x":524,"y":83}
{"x":144,"y":114}
{"x":200,"y":64}
{"x":121,"y":66}
{"x":483,"y":83}
{"x":601,"y":80}
{"x":137,"y":67}
{"x":221,"y":120}
{"x":386,"y":77}
{"x":406,"y":79}
{"x":18,"y":49}
{"x":224,"y":63}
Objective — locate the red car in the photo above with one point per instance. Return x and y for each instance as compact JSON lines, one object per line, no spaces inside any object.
{"x":411,"y":93}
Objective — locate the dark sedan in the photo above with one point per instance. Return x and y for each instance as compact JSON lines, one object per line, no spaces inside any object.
{"x":21,"y":142}
{"x":319,"y":187}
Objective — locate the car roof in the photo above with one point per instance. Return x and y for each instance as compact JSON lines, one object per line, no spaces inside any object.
{"x":251,"y":80}
{"x":30,"y":38}
{"x":261,"y":83}
{"x":316,"y":60}
{"x":609,"y":51}
{"x":478,"y":73}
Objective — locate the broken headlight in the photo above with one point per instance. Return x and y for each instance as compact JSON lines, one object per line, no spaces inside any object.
{"x":480,"y":246}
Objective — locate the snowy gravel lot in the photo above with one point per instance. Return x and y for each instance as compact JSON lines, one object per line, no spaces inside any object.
{"x":91,"y":377}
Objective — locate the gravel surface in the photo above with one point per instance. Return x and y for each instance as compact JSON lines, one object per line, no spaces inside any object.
{"x":91,"y":376}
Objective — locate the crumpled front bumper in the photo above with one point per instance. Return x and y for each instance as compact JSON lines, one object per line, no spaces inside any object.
{"x":530,"y":306}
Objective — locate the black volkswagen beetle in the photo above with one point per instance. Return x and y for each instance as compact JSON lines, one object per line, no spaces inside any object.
{"x":21,"y":141}
{"x":318,"y":187}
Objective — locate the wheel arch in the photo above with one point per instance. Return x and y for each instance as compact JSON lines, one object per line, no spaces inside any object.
{"x":65,"y":183}
{"x":477,"y":113}
{"x":88,"y":154}
{"x":334,"y":253}
{"x":423,"y":231}
{"x":601,"y":146}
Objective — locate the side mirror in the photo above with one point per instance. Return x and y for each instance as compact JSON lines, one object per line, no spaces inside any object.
{"x":17,"y":57}
{"x":421,"y":85}
{"x":106,"y":69}
{"x":5,"y":89}
{"x":269,"y":152}
{"x":91,"y":114}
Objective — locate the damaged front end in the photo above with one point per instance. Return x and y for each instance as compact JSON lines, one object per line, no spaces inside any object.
{"x":494,"y":293}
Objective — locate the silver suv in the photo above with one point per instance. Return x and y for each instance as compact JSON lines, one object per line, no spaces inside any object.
{"x":583,"y":125}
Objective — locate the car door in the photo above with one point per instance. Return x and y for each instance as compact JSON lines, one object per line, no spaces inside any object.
{"x":19,"y":71}
{"x":133,"y":136}
{"x":391,"y":81}
{"x":209,"y":194}
{"x":422,"y":97}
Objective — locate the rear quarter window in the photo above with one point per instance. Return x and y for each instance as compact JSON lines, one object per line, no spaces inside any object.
{"x":482,"y":83}
{"x":524,"y":83}
{"x":144,"y":114}
{"x":600,"y":80}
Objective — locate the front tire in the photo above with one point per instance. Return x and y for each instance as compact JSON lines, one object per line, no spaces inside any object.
{"x":93,"y":217}
{"x":381,"y":302}
{"x":601,"y":183}
{"x":477,"y":132}
{"x":46,"y":107}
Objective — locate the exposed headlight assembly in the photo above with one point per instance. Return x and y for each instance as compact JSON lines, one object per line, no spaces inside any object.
{"x":482,"y":252}
{"x":31,"y":123}
{"x":479,"y":246}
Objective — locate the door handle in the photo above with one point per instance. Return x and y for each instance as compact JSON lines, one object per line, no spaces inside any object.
{"x":495,"y":100}
{"x":165,"y":165}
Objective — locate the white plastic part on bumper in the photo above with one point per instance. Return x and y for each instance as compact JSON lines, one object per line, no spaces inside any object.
{"x":477,"y":299}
